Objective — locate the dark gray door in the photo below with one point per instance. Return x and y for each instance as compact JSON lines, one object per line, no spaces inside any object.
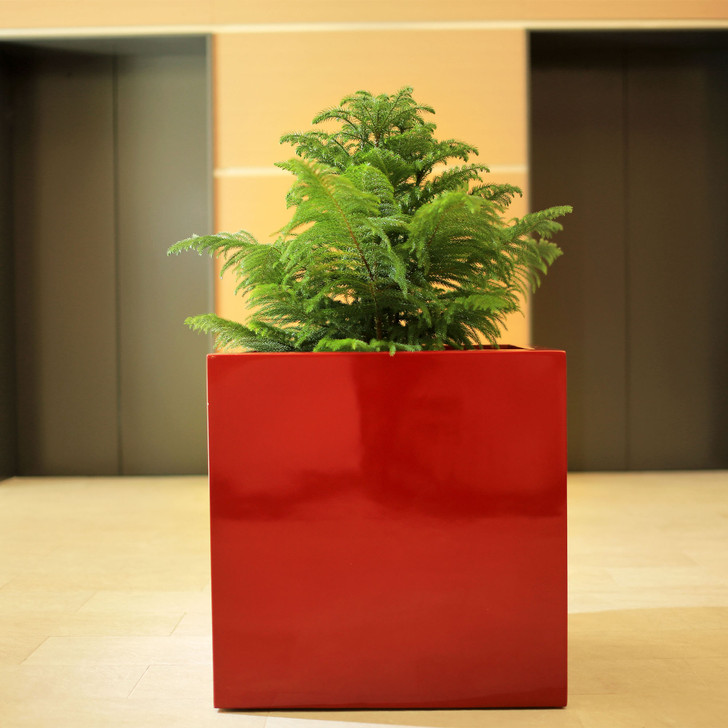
{"x":631,"y":130}
{"x":8,"y":413}
{"x":110,"y":165}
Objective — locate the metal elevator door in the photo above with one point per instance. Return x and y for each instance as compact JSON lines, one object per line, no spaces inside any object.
{"x":630,"y":128}
{"x":108,"y":158}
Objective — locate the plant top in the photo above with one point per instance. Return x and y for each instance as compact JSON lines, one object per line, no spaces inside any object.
{"x":391,"y":245}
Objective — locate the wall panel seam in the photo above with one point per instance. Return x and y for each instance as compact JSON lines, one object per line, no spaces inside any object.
{"x":117,"y":259}
{"x":245,"y":172}
{"x":341,"y":27}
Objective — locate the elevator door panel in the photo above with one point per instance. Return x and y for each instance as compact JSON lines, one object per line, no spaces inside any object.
{"x":678,"y":258}
{"x":641,"y":307}
{"x":577,"y":159}
{"x":162,"y":198}
{"x":8,"y":410}
{"x":110,"y":167}
{"x":63,"y":196}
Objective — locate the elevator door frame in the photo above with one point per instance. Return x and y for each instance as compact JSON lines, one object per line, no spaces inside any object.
{"x":156,"y":368}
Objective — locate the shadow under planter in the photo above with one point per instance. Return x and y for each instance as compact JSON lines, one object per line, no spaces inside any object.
{"x":388,"y":531}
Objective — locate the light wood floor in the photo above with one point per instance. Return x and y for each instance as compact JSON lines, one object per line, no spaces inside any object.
{"x":104,"y":611}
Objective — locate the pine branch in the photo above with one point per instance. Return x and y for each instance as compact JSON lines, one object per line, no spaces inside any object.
{"x":343,"y":203}
{"x":382,"y":252}
{"x":230,"y":334}
{"x":233,"y":247}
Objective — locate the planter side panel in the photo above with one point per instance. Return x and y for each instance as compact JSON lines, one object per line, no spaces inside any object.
{"x":388,"y":532}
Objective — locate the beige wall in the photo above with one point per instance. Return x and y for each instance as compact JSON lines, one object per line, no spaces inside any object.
{"x":277,"y":63}
{"x":270,"y":84}
{"x":89,"y":13}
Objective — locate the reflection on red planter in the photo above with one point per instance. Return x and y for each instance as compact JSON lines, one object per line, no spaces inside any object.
{"x":388,"y":531}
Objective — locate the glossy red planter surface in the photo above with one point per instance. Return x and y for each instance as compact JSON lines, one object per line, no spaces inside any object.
{"x":388,"y":531}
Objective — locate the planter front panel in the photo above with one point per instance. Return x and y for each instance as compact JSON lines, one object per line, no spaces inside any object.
{"x":388,"y":532}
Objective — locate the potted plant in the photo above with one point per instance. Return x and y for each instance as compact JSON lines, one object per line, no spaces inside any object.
{"x":387,"y":492}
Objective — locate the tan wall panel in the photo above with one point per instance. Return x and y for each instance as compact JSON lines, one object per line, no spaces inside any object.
{"x":101,"y":13}
{"x":234,"y":11}
{"x":517,"y":330}
{"x":257,"y":205}
{"x":110,"y":13}
{"x":257,"y":99}
{"x":267,"y":85}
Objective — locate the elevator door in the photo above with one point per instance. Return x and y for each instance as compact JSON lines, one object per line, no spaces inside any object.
{"x":109,"y":165}
{"x":631,"y":130}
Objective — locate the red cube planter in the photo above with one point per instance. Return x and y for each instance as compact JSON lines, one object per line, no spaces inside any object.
{"x":388,"y":531}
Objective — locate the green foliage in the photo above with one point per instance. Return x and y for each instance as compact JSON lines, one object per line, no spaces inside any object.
{"x":390,"y":246}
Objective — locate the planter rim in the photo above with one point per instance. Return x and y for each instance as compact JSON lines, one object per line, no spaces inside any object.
{"x":503,"y":350}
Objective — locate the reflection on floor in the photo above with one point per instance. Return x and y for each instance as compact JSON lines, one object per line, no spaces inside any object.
{"x":104,"y":608}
